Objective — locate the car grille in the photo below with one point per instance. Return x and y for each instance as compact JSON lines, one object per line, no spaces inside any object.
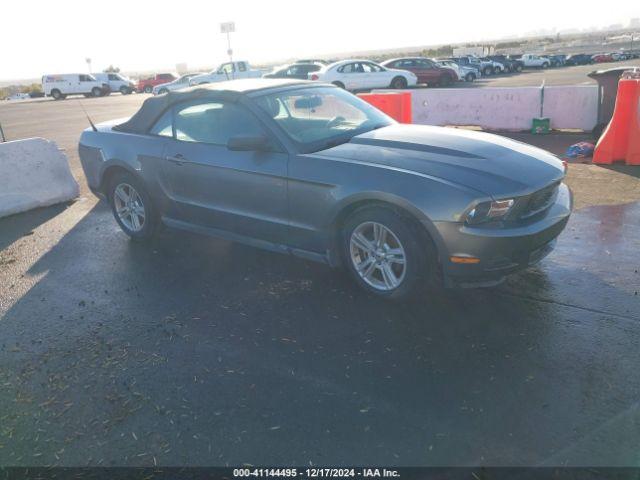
{"x":538,"y":201}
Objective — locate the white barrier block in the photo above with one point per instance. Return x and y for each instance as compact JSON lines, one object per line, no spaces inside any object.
{"x":572,"y":106}
{"x":505,"y":108}
{"x":33,"y":173}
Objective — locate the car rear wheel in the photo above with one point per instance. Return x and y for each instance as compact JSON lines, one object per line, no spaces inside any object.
{"x":132,"y":206}
{"x":57,"y":94}
{"x":148,"y":89}
{"x":487,"y":71}
{"x":470,"y":77}
{"x":96,"y":92}
{"x":545,"y":65}
{"x":383,"y":253}
{"x":124,"y":90}
{"x":399,"y":83}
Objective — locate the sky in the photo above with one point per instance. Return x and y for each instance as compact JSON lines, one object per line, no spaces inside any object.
{"x":57,"y":36}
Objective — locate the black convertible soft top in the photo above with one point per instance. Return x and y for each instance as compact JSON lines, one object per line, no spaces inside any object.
{"x":142,"y":121}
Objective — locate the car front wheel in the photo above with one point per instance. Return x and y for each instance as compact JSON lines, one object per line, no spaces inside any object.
{"x":383,"y":253}
{"x":148,"y":89}
{"x":132,"y":206}
{"x":399,"y":83}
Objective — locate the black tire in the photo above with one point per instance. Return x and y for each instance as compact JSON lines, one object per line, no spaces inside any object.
{"x":148,"y":89}
{"x":545,"y":65}
{"x":150,"y":224}
{"x":339,"y":85}
{"x":125,"y":90}
{"x":470,"y":77}
{"x":417,"y":268}
{"x":487,"y":71}
{"x":399,"y":83}
{"x":518,"y":68}
{"x":96,"y":92}
{"x":163,"y":91}
{"x":57,"y":94}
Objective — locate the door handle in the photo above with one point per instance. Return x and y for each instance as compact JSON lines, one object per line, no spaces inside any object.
{"x":176,"y":159}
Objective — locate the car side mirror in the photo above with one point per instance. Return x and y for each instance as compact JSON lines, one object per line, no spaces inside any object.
{"x":248,"y":143}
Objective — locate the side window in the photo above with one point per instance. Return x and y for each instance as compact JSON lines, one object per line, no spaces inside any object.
{"x":113,"y":77}
{"x":226,"y":68}
{"x":349,"y":68}
{"x":163,"y":126}
{"x":214,"y":122}
{"x":242,"y":67}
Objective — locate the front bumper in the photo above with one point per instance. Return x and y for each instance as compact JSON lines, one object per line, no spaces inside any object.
{"x":501,"y":250}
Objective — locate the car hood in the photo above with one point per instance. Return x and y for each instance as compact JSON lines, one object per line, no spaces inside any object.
{"x":490,"y":164}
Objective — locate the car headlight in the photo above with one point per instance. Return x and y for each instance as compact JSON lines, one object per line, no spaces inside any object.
{"x":486,"y":211}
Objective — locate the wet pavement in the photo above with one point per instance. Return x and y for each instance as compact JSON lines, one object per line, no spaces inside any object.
{"x":196,"y":351}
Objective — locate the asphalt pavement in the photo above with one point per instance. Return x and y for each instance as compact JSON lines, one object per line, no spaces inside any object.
{"x":196,"y":351}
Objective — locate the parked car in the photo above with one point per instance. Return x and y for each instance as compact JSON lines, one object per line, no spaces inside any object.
{"x":298,"y":71}
{"x":146,"y":84}
{"x":510,"y":64}
{"x":427,"y":71}
{"x":531,"y":60}
{"x":59,"y":86}
{"x":314,"y":171}
{"x":602,"y":58}
{"x":485,"y":67}
{"x":578,"y":59}
{"x":227,"y":71}
{"x":497,"y":67}
{"x":557,"y":60}
{"x":180,"y":82}
{"x":364,"y":75}
{"x":116,"y":82}
{"x":313,"y":60}
{"x":17,"y":96}
{"x":465,"y":73}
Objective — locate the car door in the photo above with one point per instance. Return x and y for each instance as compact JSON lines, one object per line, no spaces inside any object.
{"x":375,"y":76}
{"x":426,"y":71}
{"x":353,"y":76}
{"x":241,"y":192}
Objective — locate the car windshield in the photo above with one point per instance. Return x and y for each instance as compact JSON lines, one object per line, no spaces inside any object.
{"x":318,"y":118}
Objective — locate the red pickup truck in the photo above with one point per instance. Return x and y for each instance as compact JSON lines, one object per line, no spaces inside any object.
{"x":146,"y":84}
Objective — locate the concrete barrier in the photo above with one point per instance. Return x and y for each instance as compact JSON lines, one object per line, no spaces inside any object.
{"x":33,"y":173}
{"x":508,"y":108}
{"x":572,"y":106}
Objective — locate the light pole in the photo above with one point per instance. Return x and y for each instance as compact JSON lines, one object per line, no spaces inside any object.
{"x":88,"y":60}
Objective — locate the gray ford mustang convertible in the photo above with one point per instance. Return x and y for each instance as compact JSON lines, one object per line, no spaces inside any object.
{"x":311,"y":170}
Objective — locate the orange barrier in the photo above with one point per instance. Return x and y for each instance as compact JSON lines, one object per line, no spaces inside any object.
{"x":620,"y":141}
{"x":395,"y":104}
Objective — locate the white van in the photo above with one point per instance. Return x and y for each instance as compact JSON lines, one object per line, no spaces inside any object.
{"x":59,"y":86}
{"x":117,"y":82}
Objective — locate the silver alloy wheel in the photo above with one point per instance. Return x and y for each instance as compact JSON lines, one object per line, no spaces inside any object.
{"x":378,"y":256}
{"x":129,"y":207}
